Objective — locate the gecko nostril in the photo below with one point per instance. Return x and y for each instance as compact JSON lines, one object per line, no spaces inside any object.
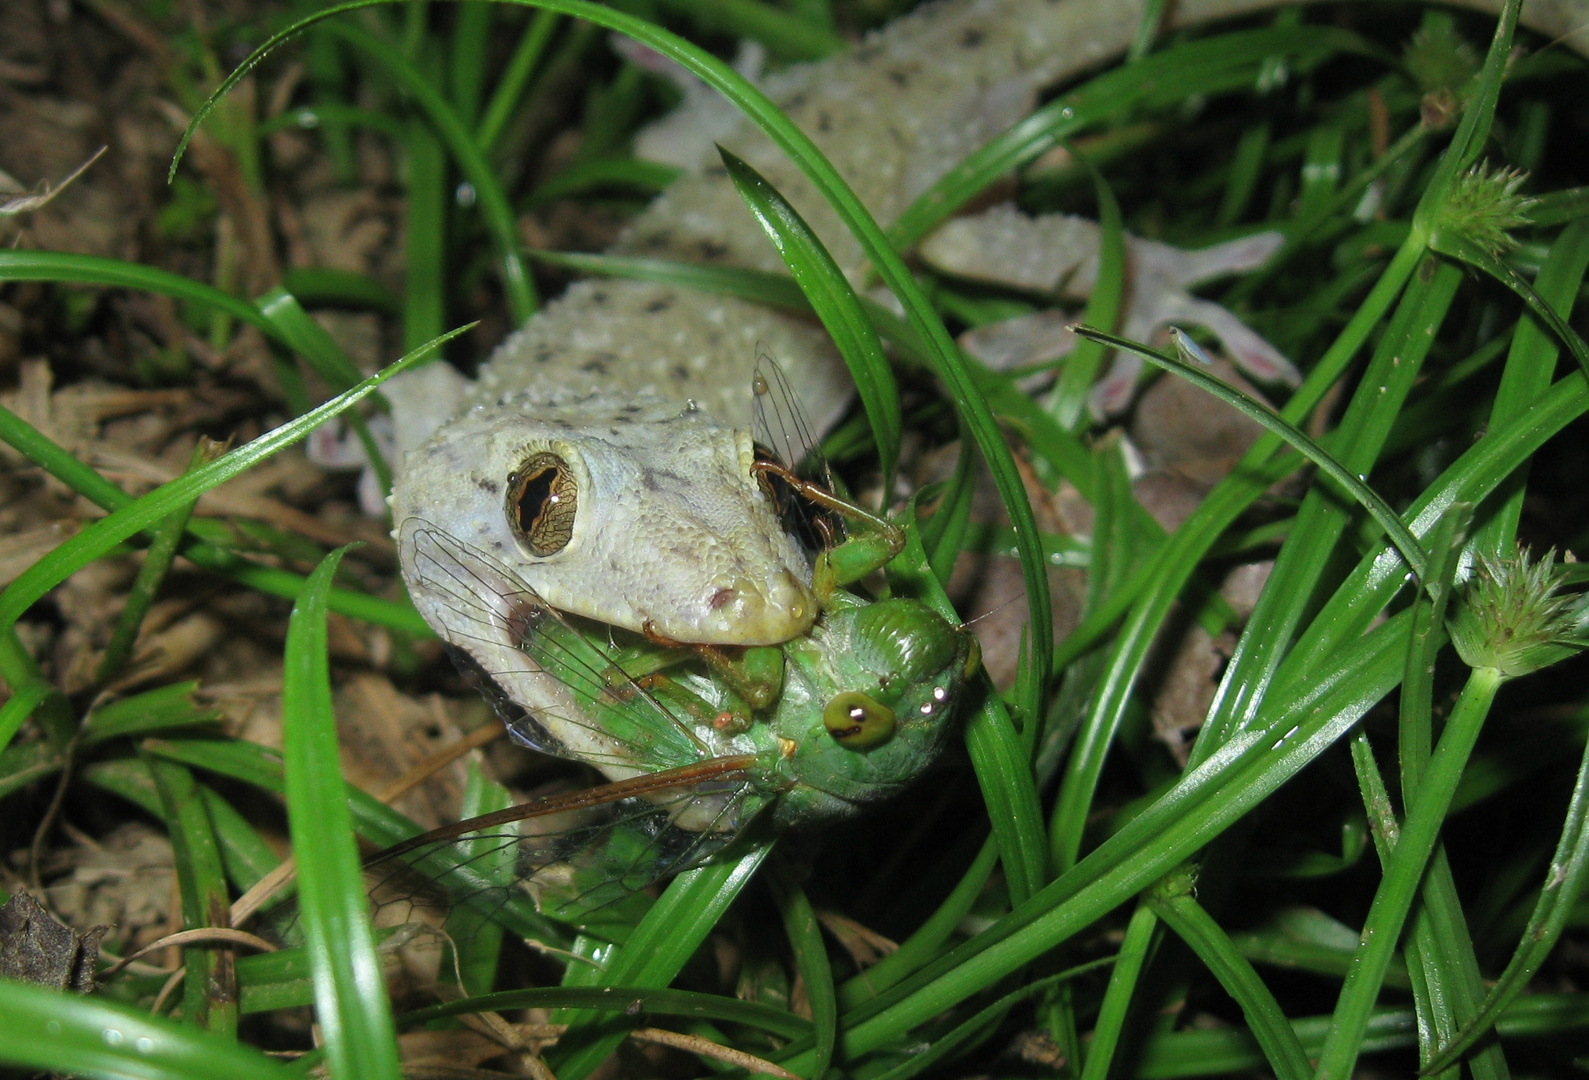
{"x":722,"y":598}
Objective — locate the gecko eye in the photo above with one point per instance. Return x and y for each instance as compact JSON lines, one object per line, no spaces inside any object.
{"x":542,"y":501}
{"x":857,"y":722}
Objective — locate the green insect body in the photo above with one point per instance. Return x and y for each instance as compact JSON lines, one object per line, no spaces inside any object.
{"x":866,"y":704}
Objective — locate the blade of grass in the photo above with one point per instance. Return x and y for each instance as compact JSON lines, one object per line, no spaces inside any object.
{"x":626,"y":999}
{"x":1172,"y":901}
{"x":1563,"y":885}
{"x":91,"y":1036}
{"x":1394,"y":898}
{"x":1530,"y":364}
{"x":350,"y":992}
{"x":983,"y":1024}
{"x":105,"y":534}
{"x":1001,"y":759}
{"x":811,"y":959}
{"x":834,"y":301}
{"x":515,"y":77}
{"x":1135,"y":950}
{"x":495,"y":209}
{"x":425,"y":235}
{"x":666,"y":938}
{"x":209,"y":989}
{"x":1382,"y":513}
{"x":1458,"y":247}
{"x":115,"y":273}
{"x":478,"y":940}
{"x":24,"y":699}
{"x":1067,"y":401}
{"x":1440,"y":950}
{"x":156,"y":563}
{"x":160,"y":709}
{"x":928,"y":938}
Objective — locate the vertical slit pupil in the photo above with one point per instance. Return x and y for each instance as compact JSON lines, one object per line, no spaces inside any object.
{"x":538,"y":489}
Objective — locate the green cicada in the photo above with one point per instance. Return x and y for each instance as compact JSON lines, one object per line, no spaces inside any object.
{"x":865,"y":705}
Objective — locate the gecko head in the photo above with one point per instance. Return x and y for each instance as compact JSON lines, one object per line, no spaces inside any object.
{"x":642,"y":517}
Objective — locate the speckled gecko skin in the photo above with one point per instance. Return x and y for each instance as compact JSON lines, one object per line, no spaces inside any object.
{"x":644,"y":389}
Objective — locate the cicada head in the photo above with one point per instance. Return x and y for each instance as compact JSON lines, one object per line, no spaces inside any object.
{"x":871,"y":698}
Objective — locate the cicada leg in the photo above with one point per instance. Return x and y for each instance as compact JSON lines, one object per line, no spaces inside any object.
{"x":874,"y":543}
{"x":752,"y":677}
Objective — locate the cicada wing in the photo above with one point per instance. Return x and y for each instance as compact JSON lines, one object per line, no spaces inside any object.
{"x":557,"y":691}
{"x":780,"y":423}
{"x":574,"y":856}
{"x":784,"y":435}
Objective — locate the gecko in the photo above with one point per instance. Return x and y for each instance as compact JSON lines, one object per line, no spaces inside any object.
{"x":604,"y":450}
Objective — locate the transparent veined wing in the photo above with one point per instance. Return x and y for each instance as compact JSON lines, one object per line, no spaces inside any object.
{"x":559,"y":691}
{"x":573,"y":854}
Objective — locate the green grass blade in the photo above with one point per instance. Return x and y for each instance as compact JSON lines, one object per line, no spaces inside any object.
{"x":658,"y":948}
{"x":628,"y":999}
{"x":1381,"y":511}
{"x":1394,"y":898}
{"x":983,"y":1024}
{"x":1530,"y":365}
{"x":209,"y":990}
{"x":597,"y":174}
{"x":1173,"y":902}
{"x":495,"y":209}
{"x":115,"y":273}
{"x":1440,"y":950}
{"x":834,"y":301}
{"x":928,"y":938}
{"x":1067,"y":402}
{"x":327,"y":286}
{"x":350,"y":992}
{"x":1562,"y":888}
{"x":105,"y":534}
{"x":521,"y":66}
{"x":811,"y":959}
{"x":477,"y":940}
{"x":1458,"y":247}
{"x":308,"y":338}
{"x":1001,"y":759}
{"x":24,"y":699}
{"x":1136,"y":948}
{"x":424,"y":235}
{"x":1474,"y":129}
{"x":151,"y":574}
{"x":90,"y":1036}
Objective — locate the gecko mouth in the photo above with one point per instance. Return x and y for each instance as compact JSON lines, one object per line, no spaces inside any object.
{"x":765,"y":612}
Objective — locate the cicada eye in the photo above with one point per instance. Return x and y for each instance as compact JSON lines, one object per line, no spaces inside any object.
{"x":856,"y":722}
{"x":543,"y":498}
